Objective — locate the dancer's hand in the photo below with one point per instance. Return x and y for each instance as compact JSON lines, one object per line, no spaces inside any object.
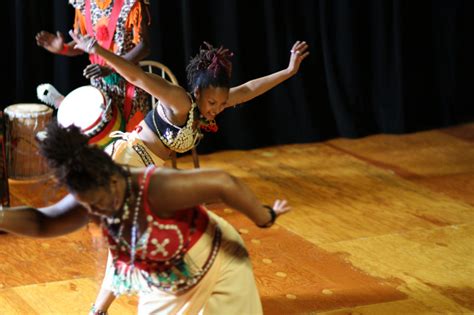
{"x":51,"y":42}
{"x":299,"y":52}
{"x":280,"y":207}
{"x":84,"y":43}
{"x":95,"y":71}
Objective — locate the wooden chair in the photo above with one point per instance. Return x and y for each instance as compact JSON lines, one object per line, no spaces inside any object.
{"x":160,"y":69}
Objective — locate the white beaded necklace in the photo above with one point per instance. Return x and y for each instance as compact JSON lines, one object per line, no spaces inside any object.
{"x":118,"y":238}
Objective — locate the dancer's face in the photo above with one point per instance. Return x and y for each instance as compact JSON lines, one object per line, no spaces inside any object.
{"x":104,"y":200}
{"x":211,"y":101}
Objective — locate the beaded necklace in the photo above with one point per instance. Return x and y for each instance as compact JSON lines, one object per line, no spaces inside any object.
{"x":176,"y":277}
{"x":118,"y":237}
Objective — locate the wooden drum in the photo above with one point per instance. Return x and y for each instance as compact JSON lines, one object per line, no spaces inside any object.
{"x":89,"y":109}
{"x":23,"y":122}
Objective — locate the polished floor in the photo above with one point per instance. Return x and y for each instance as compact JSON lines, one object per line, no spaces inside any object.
{"x":380,"y":225}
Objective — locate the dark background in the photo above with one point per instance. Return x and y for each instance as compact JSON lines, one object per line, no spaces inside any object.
{"x":376,"y":66}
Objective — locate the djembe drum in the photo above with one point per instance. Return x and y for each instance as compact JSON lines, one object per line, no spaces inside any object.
{"x":89,"y":109}
{"x":23,"y":122}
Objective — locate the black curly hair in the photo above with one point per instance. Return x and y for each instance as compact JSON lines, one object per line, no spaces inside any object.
{"x":76,"y":164}
{"x":210,"y":67}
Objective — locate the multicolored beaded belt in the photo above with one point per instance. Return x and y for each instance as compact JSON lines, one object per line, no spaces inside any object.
{"x":167,"y":280}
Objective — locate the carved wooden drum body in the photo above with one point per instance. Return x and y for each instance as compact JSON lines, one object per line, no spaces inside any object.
{"x":23,"y":122}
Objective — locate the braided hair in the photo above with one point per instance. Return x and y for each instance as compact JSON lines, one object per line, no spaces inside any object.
{"x":76,"y":164}
{"x":210,"y":67}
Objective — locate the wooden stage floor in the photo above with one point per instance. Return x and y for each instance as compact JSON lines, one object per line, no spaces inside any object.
{"x":380,"y":225}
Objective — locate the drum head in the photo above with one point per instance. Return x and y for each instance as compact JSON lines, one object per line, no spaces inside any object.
{"x":27,"y":110}
{"x":82,"y":107}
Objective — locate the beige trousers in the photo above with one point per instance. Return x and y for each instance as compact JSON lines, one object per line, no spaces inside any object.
{"x":130,"y":150}
{"x":228,"y":287}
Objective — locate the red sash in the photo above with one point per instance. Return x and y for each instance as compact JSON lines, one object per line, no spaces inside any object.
{"x":107,"y":44}
{"x":127,"y":103}
{"x":112,"y":25}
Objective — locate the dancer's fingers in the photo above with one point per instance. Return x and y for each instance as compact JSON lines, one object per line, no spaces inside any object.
{"x":295,"y":46}
{"x":281,"y":206}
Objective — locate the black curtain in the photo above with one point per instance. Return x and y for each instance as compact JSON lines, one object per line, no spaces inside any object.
{"x":376,"y":66}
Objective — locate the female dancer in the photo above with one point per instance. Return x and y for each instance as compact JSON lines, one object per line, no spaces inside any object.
{"x":174,"y":125}
{"x":179,"y":257}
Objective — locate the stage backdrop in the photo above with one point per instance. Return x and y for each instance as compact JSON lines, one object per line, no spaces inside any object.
{"x":376,"y":66}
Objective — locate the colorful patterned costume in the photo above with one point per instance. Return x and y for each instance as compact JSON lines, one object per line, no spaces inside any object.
{"x":193,"y":263}
{"x":116,"y":25}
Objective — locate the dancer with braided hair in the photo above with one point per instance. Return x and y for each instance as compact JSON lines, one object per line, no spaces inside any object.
{"x":175,"y":123}
{"x":179,"y":257}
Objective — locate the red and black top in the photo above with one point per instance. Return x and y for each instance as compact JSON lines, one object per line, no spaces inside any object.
{"x":165,"y":240}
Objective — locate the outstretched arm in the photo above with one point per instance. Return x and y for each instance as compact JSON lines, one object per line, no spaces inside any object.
{"x":62,"y":218}
{"x":247,"y":91}
{"x":196,"y":187}
{"x":169,"y":94}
